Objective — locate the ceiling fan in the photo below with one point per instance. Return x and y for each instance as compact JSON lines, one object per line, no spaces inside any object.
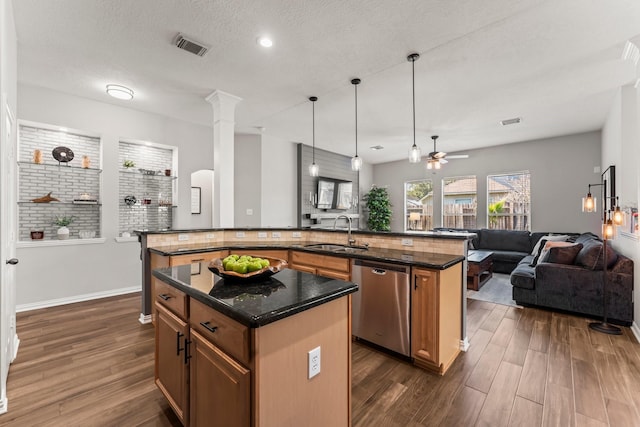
{"x":437,"y":158}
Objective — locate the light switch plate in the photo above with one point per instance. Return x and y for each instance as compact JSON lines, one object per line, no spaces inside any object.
{"x":407,"y":242}
{"x":296,"y":234}
{"x":262,"y":235}
{"x":211,"y":236}
{"x":183,"y":237}
{"x":249,"y":211}
{"x":276,"y":234}
{"x":240,"y":234}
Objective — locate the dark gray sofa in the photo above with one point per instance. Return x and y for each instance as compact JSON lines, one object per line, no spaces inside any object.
{"x":578,"y":287}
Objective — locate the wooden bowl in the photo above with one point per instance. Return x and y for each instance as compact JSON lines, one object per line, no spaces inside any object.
{"x":275,"y":265}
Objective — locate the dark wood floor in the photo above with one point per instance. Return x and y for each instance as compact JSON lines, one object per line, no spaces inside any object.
{"x":91,"y":364}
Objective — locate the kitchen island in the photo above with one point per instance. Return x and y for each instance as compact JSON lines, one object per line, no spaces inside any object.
{"x":238,"y":354}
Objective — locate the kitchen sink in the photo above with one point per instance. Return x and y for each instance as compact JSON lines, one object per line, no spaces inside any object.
{"x":336,"y":247}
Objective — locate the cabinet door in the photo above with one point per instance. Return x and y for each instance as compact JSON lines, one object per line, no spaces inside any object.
{"x":304,"y":268}
{"x":424,"y":318}
{"x":172,"y":371}
{"x":220,"y":387}
{"x":333,"y":274}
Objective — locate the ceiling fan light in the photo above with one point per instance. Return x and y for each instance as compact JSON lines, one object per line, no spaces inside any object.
{"x":120,"y":92}
{"x":429,"y":164}
{"x":414,"y":154}
{"x":436,"y":164}
{"x":356,"y":163}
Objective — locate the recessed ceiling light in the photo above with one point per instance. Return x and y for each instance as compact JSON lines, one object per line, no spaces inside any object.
{"x":376,"y":147}
{"x":120,"y":92}
{"x":510,"y":121}
{"x":265,"y":41}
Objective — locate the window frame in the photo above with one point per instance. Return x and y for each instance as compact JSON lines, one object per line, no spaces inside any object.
{"x":526,"y":215}
{"x":443,"y":195}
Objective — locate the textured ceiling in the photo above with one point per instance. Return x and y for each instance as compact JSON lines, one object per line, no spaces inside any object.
{"x":556,"y":64}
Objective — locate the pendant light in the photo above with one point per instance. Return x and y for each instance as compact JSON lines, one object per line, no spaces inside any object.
{"x":356,"y":162}
{"x":314,"y":170}
{"x":414,"y":151}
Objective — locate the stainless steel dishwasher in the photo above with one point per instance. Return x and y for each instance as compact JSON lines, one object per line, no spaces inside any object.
{"x":380,"y":308}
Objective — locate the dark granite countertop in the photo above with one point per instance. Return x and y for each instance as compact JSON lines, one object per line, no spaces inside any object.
{"x":414,"y":258}
{"x":259,"y":303}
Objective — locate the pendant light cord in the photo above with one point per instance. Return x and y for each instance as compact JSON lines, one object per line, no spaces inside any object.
{"x":313,"y":127}
{"x":413,"y":85}
{"x":355,"y":86}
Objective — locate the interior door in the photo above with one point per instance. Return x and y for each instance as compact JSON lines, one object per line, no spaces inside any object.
{"x":8,"y":229}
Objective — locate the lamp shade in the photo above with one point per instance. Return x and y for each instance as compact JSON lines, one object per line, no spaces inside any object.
{"x":589,"y":203}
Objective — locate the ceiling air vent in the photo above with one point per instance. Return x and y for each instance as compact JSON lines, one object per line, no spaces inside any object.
{"x":510,"y":121}
{"x":190,"y":45}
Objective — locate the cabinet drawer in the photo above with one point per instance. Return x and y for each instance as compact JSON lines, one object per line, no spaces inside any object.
{"x":227,"y":334}
{"x":170,"y":297}
{"x":340,"y":275}
{"x":325,"y":262}
{"x":199,"y":257}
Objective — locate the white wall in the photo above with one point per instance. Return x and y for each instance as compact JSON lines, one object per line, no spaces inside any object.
{"x":279,"y":182}
{"x":54,"y":273}
{"x":247,"y":181}
{"x":560,"y":167}
{"x":204,"y":180}
{"x":620,"y":147}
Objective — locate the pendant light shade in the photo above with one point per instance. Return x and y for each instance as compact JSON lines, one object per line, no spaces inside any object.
{"x":314,"y":170}
{"x":356,"y":162}
{"x":414,"y":151}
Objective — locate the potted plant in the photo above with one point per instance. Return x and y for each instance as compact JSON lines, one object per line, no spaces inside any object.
{"x":62,"y":221}
{"x":129,"y":164}
{"x":379,"y":207}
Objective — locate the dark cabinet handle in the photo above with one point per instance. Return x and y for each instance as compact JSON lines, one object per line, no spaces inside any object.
{"x":164,"y":296}
{"x":178,"y":349}
{"x":208,"y":327}
{"x":12,"y":261}
{"x":187,"y":356}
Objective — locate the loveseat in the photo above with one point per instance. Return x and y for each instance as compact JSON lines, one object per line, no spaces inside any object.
{"x":571,"y":278}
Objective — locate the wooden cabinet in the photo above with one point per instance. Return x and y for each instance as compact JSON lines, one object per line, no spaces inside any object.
{"x":436,"y":318}
{"x":220,"y":387}
{"x":175,"y":260}
{"x":322,"y":265}
{"x":171,"y":367}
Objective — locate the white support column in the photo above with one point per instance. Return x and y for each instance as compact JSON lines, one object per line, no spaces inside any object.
{"x":224,"y":105}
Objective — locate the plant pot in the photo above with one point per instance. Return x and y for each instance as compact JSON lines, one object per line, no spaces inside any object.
{"x":63,"y":233}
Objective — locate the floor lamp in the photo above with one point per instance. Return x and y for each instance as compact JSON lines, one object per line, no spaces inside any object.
{"x":611,"y":217}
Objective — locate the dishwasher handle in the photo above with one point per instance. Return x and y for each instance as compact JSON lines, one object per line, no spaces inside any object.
{"x":379,"y":271}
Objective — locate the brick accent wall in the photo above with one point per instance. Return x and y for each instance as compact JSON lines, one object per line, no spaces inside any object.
{"x":65,"y":181}
{"x":157,"y":189}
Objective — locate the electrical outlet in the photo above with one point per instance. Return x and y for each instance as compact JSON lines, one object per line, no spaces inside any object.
{"x":314,"y":362}
{"x":262,"y":235}
{"x":240,"y":234}
{"x":406,"y":257}
{"x":183,"y":237}
{"x":296,"y":234}
{"x":276,"y":234}
{"x":211,"y":236}
{"x":407,"y":242}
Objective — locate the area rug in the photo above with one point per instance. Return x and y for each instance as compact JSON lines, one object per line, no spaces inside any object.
{"x":496,"y":290}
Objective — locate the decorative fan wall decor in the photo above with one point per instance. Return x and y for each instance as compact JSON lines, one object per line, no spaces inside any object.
{"x":62,"y":154}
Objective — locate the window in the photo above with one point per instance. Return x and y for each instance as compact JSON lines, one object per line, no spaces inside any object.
{"x":418,"y":201}
{"x":459,"y":202}
{"x":509,"y":201}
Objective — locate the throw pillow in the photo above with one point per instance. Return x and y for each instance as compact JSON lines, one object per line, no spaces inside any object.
{"x":544,"y":249}
{"x":563,"y":254}
{"x":550,"y":237}
{"x":592,"y":255}
{"x":540,"y":246}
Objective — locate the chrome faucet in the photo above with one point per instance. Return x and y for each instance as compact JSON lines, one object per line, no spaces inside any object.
{"x":349,"y":239}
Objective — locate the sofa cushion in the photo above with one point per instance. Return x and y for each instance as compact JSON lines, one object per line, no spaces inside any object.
{"x":523,"y":276}
{"x":504,"y":240}
{"x":508,"y":256}
{"x":591,"y":256}
{"x":585,"y":237}
{"x":563,"y":254}
{"x":535,"y":257}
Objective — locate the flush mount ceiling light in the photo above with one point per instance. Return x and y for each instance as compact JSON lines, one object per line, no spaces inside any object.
{"x":120,"y":92}
{"x":314,"y":170}
{"x":356,"y":162}
{"x":265,"y":41}
{"x":414,"y":151}
{"x":376,"y":147}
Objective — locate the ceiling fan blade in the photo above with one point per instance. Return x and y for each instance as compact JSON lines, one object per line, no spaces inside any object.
{"x":458,"y":156}
{"x":443,"y":161}
{"x":439,"y":155}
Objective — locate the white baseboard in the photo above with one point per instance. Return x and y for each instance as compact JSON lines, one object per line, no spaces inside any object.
{"x":636,"y":330}
{"x":464,"y":344}
{"x":3,"y":405}
{"x":76,"y":298}
{"x":16,"y":344}
{"x":144,"y":318}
